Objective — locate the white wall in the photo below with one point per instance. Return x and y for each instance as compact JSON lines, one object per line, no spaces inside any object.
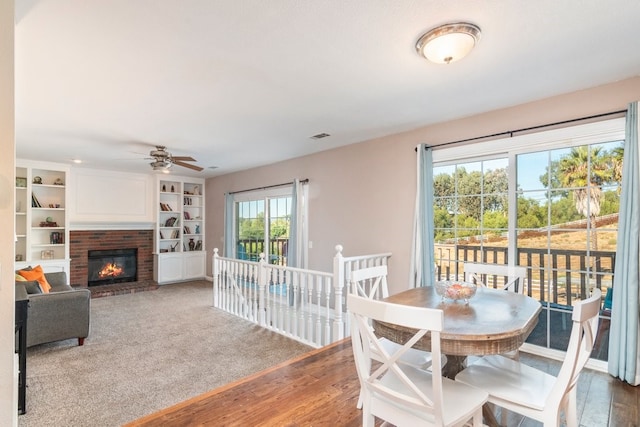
{"x":362,"y":195}
{"x":8,"y":386}
{"x":111,"y":200}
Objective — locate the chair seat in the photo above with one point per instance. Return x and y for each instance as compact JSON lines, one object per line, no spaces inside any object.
{"x":510,"y":380}
{"x":459,"y":400}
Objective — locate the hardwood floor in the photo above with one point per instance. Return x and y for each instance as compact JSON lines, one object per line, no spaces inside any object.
{"x":321,"y":388}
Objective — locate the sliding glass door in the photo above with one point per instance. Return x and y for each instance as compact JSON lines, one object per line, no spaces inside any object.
{"x":262,"y":225}
{"x":550,"y":203}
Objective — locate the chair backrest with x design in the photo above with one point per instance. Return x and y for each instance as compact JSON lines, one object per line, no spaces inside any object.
{"x":386,"y":386}
{"x":514,"y":276}
{"x":370,"y":282}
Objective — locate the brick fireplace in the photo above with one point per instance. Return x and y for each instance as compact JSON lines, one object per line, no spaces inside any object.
{"x":81,"y":242}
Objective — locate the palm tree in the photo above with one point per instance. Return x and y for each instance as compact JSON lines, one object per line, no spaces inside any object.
{"x":617,"y":156}
{"x":583,"y":171}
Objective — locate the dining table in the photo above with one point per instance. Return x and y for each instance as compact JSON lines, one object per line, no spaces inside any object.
{"x":494,"y":321}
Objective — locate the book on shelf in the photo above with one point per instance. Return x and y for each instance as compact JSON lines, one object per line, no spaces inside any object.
{"x":171,"y":222}
{"x":165,"y":207}
{"x":186,"y":229}
{"x":187,"y":215}
{"x":175,"y":234}
{"x":198,"y":245}
{"x":34,"y":201}
{"x":161,"y":236}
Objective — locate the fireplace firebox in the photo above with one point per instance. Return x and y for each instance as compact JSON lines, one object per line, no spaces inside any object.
{"x":112,"y":266}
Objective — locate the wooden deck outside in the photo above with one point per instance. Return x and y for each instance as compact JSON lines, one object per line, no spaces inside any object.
{"x":321,"y":388}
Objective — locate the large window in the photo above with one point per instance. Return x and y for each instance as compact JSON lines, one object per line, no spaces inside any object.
{"x":549,"y":203}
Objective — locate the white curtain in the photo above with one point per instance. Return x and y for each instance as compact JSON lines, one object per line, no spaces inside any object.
{"x":296,"y":255}
{"x":422,"y":252}
{"x":624,"y":335}
{"x":229,"y":235}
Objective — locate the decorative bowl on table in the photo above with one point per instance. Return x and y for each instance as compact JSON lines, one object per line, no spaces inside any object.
{"x":456,"y":290}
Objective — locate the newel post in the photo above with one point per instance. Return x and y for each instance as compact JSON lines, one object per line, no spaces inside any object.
{"x":339,"y":283}
{"x":216,"y":278}
{"x":262,"y":287}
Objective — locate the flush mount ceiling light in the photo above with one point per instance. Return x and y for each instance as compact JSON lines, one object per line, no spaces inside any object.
{"x":448,"y":43}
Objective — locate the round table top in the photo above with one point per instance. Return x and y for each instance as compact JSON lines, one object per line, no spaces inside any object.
{"x":493,"y":322}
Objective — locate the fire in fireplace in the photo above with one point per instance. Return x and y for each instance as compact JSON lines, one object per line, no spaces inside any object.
{"x":112,"y":266}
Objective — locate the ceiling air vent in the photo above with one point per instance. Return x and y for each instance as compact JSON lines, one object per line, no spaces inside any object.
{"x":320,"y":136}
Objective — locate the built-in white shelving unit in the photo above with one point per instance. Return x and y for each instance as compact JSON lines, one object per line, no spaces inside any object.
{"x":179,"y":243}
{"x":41,"y":219}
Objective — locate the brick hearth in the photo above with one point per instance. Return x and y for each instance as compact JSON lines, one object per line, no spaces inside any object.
{"x":81,"y":242}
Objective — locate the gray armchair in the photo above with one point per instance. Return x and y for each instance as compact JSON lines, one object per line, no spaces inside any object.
{"x":61,"y":314}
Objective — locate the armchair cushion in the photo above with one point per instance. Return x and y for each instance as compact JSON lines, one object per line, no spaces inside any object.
{"x":31,"y":286}
{"x":36,"y":274}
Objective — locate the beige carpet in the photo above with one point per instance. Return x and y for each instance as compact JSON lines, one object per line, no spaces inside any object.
{"x":146,"y":351}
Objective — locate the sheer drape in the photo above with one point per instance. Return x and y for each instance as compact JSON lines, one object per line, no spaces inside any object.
{"x":229,"y":249}
{"x":422,"y":258}
{"x":297,"y":228}
{"x":624,"y":335}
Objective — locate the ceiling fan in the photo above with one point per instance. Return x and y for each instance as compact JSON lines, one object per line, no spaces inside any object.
{"x":163,"y":160}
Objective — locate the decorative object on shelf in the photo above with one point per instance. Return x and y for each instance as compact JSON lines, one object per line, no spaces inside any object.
{"x":197,"y":228}
{"x":49,"y":222}
{"x":21,"y":182}
{"x":199,"y":245}
{"x":196,"y":190}
{"x":48,"y":254}
{"x":173,"y":189}
{"x":56,"y":238}
{"x":164,"y":188}
{"x":58,"y":181}
{"x":19,"y":257}
{"x":37,"y":180}
{"x":192,"y":244}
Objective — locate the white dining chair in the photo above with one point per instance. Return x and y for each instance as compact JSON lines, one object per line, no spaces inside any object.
{"x":400,"y":394}
{"x":533,"y":393}
{"x":514,"y":276}
{"x":371,"y":283}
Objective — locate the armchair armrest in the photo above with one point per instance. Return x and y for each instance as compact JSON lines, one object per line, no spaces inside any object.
{"x":58,"y":316}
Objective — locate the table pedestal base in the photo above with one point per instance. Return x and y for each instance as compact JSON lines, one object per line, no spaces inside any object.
{"x":456,"y":364}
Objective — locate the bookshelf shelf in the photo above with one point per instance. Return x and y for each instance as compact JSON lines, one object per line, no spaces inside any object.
{"x":41,"y":196}
{"x":180,"y":212}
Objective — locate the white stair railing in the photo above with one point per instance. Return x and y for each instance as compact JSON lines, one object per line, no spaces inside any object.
{"x":305,"y":305}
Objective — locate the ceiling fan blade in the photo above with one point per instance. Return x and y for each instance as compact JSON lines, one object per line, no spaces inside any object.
{"x":184,"y":158}
{"x":186,"y":165}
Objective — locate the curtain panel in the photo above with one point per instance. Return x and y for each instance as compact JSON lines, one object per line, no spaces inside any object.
{"x":422,"y":250}
{"x":624,"y":338}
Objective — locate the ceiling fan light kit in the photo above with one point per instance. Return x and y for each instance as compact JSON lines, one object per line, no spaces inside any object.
{"x":448,"y":43}
{"x":163,"y":160}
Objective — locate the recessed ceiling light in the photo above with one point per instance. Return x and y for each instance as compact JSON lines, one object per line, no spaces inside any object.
{"x":76,"y":160}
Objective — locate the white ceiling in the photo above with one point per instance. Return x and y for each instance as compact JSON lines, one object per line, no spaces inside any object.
{"x":242,"y":83}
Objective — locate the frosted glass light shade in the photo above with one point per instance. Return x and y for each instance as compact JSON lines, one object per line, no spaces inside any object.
{"x":448,"y":43}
